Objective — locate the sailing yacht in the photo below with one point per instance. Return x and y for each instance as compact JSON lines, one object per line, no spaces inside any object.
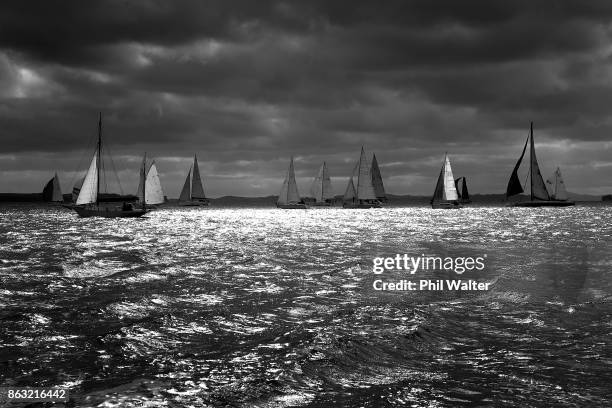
{"x":88,"y":203}
{"x":289,"y":197}
{"x":539,"y":196}
{"x":557,"y":186}
{"x":445,"y":194}
{"x":321,"y":188}
{"x":193,"y":192}
{"x":377,"y":182}
{"x":52,"y":191}
{"x":360,"y":189}
{"x":462,"y":190}
{"x":149,"y":186}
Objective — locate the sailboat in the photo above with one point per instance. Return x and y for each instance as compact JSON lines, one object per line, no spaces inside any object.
{"x":321,"y":188}
{"x":149,"y":185}
{"x":557,"y":186}
{"x":289,"y":197}
{"x":52,"y":191}
{"x":462,"y":190}
{"x":193,"y":192}
{"x":445,"y":194}
{"x":360,"y":189}
{"x":377,"y":182}
{"x":88,"y":202}
{"x":539,"y":196}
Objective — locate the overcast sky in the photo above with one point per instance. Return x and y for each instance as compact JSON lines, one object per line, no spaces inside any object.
{"x":247,"y":84}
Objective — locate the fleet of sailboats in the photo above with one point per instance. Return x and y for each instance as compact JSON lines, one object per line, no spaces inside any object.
{"x":365,"y":188}
{"x":289,"y":197}
{"x":539,"y":196}
{"x":445,"y":195}
{"x":192,"y":193}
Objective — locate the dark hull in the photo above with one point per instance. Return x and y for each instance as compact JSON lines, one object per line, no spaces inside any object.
{"x":108,"y":212}
{"x":326,"y":204}
{"x":361,"y":205}
{"x":194,"y":203}
{"x":446,"y":205}
{"x":543,"y":204}
{"x":297,"y":206}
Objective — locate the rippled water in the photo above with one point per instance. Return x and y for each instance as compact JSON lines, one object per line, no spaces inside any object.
{"x":274,"y":308}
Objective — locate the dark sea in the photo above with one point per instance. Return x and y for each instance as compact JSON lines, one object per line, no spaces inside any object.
{"x":275,"y":308}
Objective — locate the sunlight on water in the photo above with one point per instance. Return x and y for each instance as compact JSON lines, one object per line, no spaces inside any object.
{"x":273,"y":308}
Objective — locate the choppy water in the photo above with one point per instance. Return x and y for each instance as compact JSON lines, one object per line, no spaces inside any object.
{"x":273,"y":308}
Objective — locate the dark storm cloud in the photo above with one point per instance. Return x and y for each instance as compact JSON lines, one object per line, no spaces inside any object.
{"x":249,"y":83}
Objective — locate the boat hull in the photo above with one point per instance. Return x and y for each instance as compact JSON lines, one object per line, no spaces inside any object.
{"x":321,"y":204}
{"x":543,"y":204}
{"x":362,"y":205}
{"x":194,"y":203}
{"x":446,"y":205}
{"x":109,"y":212}
{"x":297,"y":206}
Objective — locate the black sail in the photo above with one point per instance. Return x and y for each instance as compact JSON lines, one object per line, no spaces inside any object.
{"x":514,"y":184}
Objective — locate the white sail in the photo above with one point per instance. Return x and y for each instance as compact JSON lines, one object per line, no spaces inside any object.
{"x":321,"y":188}
{"x":558,"y":186}
{"x":89,"y":189}
{"x":450,"y":191}
{"x":197,"y":190}
{"x":365,"y":188}
{"x":289,"y":192}
{"x":153,"y":189}
{"x":186,"y":191}
{"x":77,"y":189}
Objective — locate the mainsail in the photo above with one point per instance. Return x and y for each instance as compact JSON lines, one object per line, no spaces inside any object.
{"x":445,"y":187}
{"x":153,"y":191}
{"x":321,"y":188}
{"x":197,"y":190}
{"x":558,"y":186}
{"x":538,"y":187}
{"x":379,"y":188}
{"x":89,"y":189}
{"x":52,"y":190}
{"x":289,"y":192}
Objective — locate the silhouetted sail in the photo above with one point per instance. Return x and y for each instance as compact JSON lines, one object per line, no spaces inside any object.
{"x":538,"y":187}
{"x":445,"y":186}
{"x":76,"y":189}
{"x":141,"y":179}
{"x":321,"y":188}
{"x":89,"y":189}
{"x":462,"y":190}
{"x":289,"y":192}
{"x":153,"y":191}
{"x":197,"y":190}
{"x":186,"y":191}
{"x":514,"y":184}
{"x":52,"y":190}
{"x":557,"y":186}
{"x":377,"y":181}
{"x":365,"y":189}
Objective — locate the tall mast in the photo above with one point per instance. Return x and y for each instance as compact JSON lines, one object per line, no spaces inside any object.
{"x":98,"y":159}
{"x":144,"y":181}
{"x":531,"y":160}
